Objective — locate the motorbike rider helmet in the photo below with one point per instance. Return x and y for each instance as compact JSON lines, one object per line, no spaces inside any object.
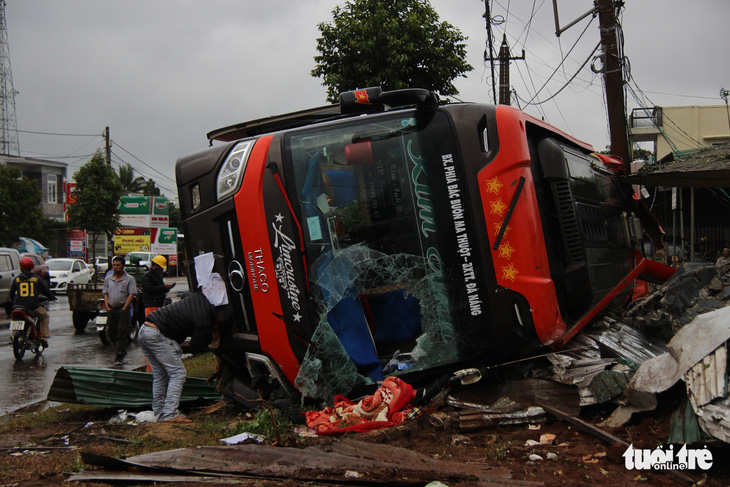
{"x":26,"y":264}
{"x":160,"y":261}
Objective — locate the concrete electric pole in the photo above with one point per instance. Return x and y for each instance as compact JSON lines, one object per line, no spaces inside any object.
{"x":504,"y":59}
{"x":613,"y":78}
{"x":490,"y":57}
{"x":108,"y":146}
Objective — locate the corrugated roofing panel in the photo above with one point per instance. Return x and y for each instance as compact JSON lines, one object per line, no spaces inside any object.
{"x":118,"y":388}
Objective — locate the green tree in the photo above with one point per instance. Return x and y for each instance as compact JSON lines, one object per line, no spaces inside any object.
{"x":642,"y":154}
{"x":130,"y":182}
{"x":175,"y":216}
{"x":20,"y":212}
{"x":149,"y":188}
{"x":98,"y":190}
{"x":395,"y":44}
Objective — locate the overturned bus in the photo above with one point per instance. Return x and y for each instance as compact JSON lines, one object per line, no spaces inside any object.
{"x":391,"y":234}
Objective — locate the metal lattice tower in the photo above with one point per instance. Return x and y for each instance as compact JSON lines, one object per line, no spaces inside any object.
{"x":9,"y":144}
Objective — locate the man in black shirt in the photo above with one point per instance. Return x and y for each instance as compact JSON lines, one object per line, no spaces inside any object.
{"x":154,"y":289}
{"x":26,"y":289}
{"x":160,"y":338}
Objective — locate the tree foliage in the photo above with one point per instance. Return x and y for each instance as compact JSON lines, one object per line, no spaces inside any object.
{"x":175,"y":216}
{"x":130,"y":182}
{"x":20,"y":212}
{"x":98,"y":190}
{"x":149,"y":188}
{"x":395,"y":44}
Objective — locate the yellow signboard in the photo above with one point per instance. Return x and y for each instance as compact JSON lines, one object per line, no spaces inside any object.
{"x":128,"y":240}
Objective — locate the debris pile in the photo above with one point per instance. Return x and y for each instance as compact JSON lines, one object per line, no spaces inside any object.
{"x":677,"y":333}
{"x":694,"y":289}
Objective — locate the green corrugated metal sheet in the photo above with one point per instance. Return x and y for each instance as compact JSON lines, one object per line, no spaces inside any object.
{"x":683,"y":426}
{"x":118,"y":388}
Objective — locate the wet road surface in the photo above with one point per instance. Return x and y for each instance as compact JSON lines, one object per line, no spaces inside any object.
{"x":25,"y":382}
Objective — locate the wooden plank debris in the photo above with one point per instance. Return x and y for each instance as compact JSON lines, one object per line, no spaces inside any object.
{"x":346,"y":461}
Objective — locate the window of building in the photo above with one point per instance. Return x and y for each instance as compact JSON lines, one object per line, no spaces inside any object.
{"x":52,"y":191}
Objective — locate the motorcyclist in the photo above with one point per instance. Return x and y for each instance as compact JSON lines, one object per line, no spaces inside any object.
{"x":154,"y":289}
{"x":26,"y":289}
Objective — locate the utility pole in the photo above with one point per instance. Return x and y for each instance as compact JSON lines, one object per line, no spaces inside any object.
{"x":108,"y":145}
{"x":488,"y":17}
{"x":724,"y":94}
{"x":504,"y":59}
{"x":613,"y":78}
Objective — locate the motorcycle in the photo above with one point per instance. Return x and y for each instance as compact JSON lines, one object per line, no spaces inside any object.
{"x":25,"y":332}
{"x":104,"y":330}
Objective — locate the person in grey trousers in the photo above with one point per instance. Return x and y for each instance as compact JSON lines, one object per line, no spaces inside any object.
{"x":160,"y":338}
{"x":119,"y":290}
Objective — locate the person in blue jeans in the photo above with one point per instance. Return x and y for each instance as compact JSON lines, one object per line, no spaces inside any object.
{"x":160,"y":338}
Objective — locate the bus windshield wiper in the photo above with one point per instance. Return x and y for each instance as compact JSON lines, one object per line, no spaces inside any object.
{"x":507,"y":217}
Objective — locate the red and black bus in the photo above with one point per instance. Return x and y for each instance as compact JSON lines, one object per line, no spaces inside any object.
{"x":393,"y":234}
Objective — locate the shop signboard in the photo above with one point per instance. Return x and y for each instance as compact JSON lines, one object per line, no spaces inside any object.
{"x":131,"y":239}
{"x":77,"y":244}
{"x":160,"y":217}
{"x":135,"y":211}
{"x":144,"y":211}
{"x":164,"y":240}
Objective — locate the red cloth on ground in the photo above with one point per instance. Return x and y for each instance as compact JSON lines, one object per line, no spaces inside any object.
{"x":389,"y":406}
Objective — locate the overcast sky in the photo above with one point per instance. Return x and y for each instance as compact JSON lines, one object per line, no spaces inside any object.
{"x":162,"y":73}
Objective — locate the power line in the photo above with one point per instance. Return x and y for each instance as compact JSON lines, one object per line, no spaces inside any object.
{"x":519,"y":41}
{"x":563,"y":61}
{"x":59,"y":134}
{"x":72,"y":155}
{"x":140,"y":160}
{"x":49,"y":156}
{"x":161,"y":186}
{"x":567,"y":82}
{"x":682,"y":96}
{"x":119,"y":162}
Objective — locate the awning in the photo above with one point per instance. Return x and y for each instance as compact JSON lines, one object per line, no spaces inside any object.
{"x":708,"y":168}
{"x":31,"y":246}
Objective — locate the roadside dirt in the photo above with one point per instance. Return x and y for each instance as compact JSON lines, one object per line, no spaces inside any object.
{"x":39,"y":455}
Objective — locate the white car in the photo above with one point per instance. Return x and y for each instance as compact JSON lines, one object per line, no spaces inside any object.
{"x":66,"y":271}
{"x":101,"y":264}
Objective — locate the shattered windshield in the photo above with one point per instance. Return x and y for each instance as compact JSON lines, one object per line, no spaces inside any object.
{"x":381,"y":253}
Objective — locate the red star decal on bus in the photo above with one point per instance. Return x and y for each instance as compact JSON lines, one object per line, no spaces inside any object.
{"x":506,"y":250}
{"x":493,"y":185}
{"x":498,"y":207}
{"x":509,"y":272}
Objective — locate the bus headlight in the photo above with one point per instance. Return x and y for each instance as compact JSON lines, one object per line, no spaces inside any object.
{"x":231,"y":174}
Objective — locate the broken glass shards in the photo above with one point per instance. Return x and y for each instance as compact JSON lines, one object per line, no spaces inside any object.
{"x":346,"y":349}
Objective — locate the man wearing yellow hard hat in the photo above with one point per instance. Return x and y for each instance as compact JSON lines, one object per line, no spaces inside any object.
{"x":154,"y":289}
